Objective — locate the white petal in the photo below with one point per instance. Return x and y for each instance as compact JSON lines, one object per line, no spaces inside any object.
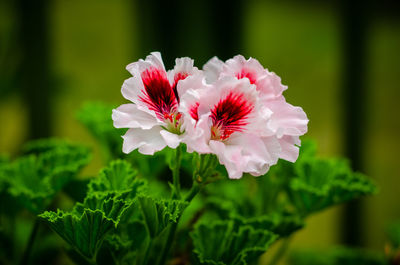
{"x":132,"y":87}
{"x":197,"y":135}
{"x":129,"y":116}
{"x":258,"y":152}
{"x":148,"y":141}
{"x":212,"y":69}
{"x":183,"y":65}
{"x":290,"y":149}
{"x":192,"y":82}
{"x":270,"y":86}
{"x":155,"y":59}
{"x":152,"y":60}
{"x":239,"y":67}
{"x":229,"y":156}
{"x":287,"y":119}
{"x":171,"y":139}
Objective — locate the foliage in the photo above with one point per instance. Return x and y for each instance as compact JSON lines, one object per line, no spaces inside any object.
{"x":128,"y":214}
{"x":85,"y":227}
{"x":228,"y":242}
{"x":33,"y":180}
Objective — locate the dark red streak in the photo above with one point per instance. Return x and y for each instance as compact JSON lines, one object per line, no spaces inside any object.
{"x":158,"y":93}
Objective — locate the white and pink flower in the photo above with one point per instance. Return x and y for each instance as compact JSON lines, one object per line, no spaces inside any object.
{"x":287,"y":122}
{"x":234,"y":110}
{"x":228,"y":119}
{"x":153,"y":120}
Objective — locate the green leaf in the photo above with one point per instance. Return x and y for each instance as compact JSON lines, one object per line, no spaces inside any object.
{"x":118,"y":178}
{"x":127,"y":240}
{"x":226,"y":243}
{"x":158,"y":214}
{"x":86,"y":226}
{"x":280,"y":224}
{"x":34,"y":180}
{"x":238,"y":196}
{"x":320,"y":183}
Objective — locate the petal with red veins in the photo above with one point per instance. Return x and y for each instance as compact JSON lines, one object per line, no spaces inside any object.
{"x":157,"y":93}
{"x":153,"y":60}
{"x":239,"y":67}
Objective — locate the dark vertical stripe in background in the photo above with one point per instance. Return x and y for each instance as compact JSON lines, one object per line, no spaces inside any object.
{"x":34,"y":70}
{"x":226,"y":17}
{"x":158,"y":24}
{"x":200,"y":30}
{"x":354,"y":28}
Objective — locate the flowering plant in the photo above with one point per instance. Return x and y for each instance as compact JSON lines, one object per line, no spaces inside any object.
{"x":227,"y":121}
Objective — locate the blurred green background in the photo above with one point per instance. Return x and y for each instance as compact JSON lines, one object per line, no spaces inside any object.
{"x":339,"y":59}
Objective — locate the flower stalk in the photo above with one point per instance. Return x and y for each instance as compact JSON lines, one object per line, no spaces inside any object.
{"x":176,"y":166}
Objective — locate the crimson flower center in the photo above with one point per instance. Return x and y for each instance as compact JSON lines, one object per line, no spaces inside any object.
{"x":161,"y":97}
{"x":230,"y":115}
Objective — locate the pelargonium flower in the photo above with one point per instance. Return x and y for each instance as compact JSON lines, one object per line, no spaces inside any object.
{"x":287,"y":122}
{"x":153,"y":119}
{"x":228,"y":119}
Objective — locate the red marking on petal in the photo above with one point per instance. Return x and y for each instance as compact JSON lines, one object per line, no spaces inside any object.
{"x":246,"y":74}
{"x":230,"y":114}
{"x":158,"y":93}
{"x":193,"y":111}
{"x":177,"y":78}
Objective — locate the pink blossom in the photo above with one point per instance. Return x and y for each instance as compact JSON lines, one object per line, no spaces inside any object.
{"x":227,"y":118}
{"x":287,"y":122}
{"x":153,"y":120}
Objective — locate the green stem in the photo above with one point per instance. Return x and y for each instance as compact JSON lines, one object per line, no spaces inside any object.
{"x":281,"y":251}
{"x":196,"y":187}
{"x":29,"y":246}
{"x":167,"y":246}
{"x":176,"y":174}
{"x":148,"y":249}
{"x":172,"y":229}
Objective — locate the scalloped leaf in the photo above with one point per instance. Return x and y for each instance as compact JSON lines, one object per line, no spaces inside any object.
{"x":127,"y":240}
{"x":157,"y":214}
{"x":86,"y":226}
{"x":280,"y":224}
{"x":321,"y":183}
{"x":120,"y":178}
{"x":34,"y":180}
{"x":226,"y":243}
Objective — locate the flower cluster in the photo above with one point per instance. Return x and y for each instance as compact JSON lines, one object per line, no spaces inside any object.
{"x":233,"y":109}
